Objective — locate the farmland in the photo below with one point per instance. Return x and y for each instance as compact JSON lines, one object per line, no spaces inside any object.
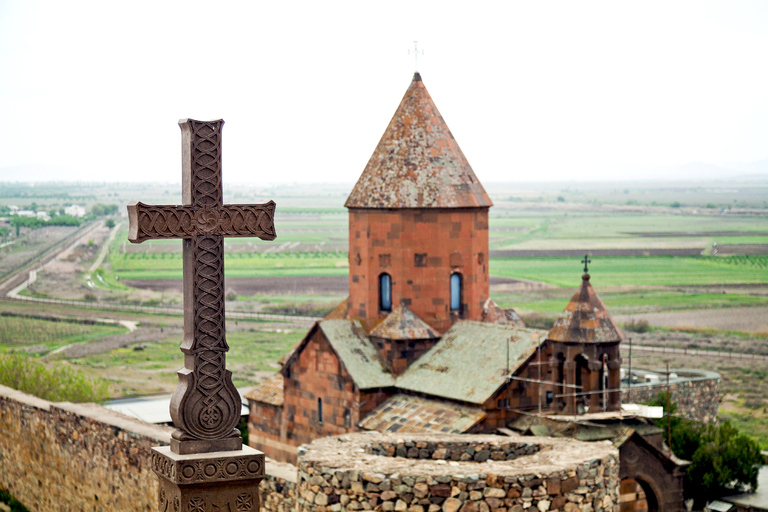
{"x":678,"y":251}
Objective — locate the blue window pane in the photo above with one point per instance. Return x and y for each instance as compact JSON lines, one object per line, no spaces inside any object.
{"x":385,"y":292}
{"x":455,"y":292}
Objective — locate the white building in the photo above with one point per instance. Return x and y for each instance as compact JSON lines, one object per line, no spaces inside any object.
{"x":75,"y":210}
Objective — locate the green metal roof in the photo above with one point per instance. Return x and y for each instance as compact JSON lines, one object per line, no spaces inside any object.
{"x":470,"y":362}
{"x":358,"y":355}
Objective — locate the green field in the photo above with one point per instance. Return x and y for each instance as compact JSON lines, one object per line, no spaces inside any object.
{"x":628,"y":302}
{"x":609,"y":271}
{"x":38,"y":337}
{"x":255,"y":348}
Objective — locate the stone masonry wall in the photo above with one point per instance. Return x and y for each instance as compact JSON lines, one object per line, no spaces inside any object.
{"x":64,"y":457}
{"x":697,"y":397}
{"x":355,"y":472}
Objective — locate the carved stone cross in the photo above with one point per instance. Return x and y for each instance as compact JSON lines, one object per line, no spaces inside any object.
{"x":205,"y":406}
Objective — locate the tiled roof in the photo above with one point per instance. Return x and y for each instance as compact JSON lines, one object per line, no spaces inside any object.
{"x":585,"y":319}
{"x":358,"y":355}
{"x":417,"y":163}
{"x":403,"y":324}
{"x":469,"y":362}
{"x":269,"y":392}
{"x":411,"y":414}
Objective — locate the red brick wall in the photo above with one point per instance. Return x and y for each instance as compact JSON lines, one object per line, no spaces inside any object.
{"x":266,"y":431}
{"x":399,"y":354}
{"x":316,"y":373}
{"x":521,"y":395}
{"x":439,"y":240}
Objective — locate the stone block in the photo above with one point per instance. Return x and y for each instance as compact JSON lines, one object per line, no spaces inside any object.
{"x":210,"y":479}
{"x":451,"y":505}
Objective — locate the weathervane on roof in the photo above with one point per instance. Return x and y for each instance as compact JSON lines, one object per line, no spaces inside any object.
{"x":416,"y":53}
{"x":586,"y":261}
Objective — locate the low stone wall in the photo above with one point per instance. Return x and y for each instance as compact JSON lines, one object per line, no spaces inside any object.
{"x":696,"y":392}
{"x":279,"y":489}
{"x":457,"y":451}
{"x":356,"y":472}
{"x":63,"y":457}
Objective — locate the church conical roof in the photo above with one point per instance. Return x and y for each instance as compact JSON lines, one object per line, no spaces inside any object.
{"x":417,"y":163}
{"x":585,"y":319}
{"x":403,"y":324}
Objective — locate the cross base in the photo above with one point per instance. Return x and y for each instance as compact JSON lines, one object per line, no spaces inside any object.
{"x":184,"y":444}
{"x":207,"y":482}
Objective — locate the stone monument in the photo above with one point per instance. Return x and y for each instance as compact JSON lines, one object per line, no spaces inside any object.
{"x":206,"y":467}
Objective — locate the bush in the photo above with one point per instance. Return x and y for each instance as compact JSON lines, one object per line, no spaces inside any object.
{"x":300,"y":309}
{"x":537,"y":321}
{"x":55,"y":383}
{"x":110,"y":223}
{"x":676,"y":204}
{"x":636,"y":326}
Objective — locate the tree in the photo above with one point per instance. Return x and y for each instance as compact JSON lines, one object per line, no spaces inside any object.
{"x":110,"y":223}
{"x":722,"y":458}
{"x":100,"y":210}
{"x":726,"y":460}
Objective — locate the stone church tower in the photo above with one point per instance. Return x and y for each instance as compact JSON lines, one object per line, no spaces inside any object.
{"x":586,"y":355}
{"x":418,"y":223}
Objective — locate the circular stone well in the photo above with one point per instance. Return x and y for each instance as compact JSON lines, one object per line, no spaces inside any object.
{"x":457,"y":473}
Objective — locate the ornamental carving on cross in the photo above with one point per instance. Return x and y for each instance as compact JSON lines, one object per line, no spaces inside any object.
{"x":205,"y":406}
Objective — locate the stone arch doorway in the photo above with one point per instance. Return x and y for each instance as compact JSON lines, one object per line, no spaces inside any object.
{"x":638,"y":495}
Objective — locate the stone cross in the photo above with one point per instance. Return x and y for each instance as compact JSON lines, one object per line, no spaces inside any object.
{"x":205,"y":406}
{"x":586,"y":261}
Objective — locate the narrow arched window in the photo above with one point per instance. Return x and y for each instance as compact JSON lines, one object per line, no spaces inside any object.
{"x":455,"y":292}
{"x":319,"y":410}
{"x":385,"y":292}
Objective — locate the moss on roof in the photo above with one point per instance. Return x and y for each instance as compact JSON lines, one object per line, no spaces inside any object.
{"x":358,"y":355}
{"x":469,"y":362}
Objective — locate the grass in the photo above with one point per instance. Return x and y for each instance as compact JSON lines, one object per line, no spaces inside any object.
{"x":169,"y":266}
{"x":631,"y":271}
{"x":629,"y":302}
{"x":39,"y":337}
{"x":597,"y":230}
{"x":255,"y":348}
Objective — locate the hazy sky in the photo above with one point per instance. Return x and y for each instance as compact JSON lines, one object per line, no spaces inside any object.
{"x":531,"y":90}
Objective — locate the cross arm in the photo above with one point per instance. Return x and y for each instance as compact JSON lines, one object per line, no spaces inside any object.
{"x":176,"y":221}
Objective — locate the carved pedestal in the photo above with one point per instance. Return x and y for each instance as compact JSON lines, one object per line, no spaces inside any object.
{"x":207,"y":482}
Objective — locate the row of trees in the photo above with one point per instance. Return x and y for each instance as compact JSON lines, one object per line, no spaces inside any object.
{"x":723,"y":460}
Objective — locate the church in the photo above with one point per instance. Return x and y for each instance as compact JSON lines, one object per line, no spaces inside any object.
{"x":419,"y":346}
